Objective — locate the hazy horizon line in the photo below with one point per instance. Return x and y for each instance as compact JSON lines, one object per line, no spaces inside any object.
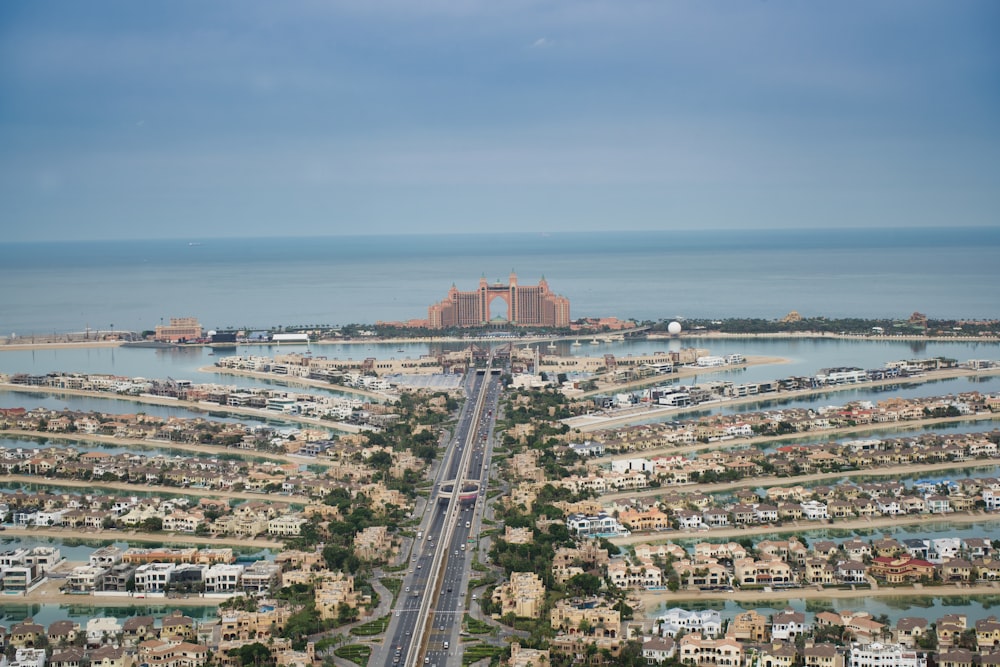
{"x":563,"y":233}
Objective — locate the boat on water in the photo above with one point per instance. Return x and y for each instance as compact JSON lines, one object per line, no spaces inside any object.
{"x":400,"y":350}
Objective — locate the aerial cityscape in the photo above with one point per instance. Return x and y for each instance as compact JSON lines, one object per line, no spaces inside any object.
{"x":499,"y":334}
{"x":485,"y":488}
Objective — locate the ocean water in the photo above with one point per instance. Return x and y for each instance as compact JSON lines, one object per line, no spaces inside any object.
{"x":257,"y":283}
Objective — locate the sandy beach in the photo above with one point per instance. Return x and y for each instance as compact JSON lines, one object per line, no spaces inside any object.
{"x":16,"y":344}
{"x":48,"y":593}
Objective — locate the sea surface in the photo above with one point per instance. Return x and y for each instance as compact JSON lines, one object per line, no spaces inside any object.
{"x":54,"y":287}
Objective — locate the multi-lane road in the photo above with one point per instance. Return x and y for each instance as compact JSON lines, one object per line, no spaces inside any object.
{"x":426,"y":621}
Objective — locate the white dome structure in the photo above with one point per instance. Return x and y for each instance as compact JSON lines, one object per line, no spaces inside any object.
{"x":674,"y":328}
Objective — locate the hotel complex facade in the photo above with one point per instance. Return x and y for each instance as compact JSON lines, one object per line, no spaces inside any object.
{"x":527,"y":305}
{"x":180,"y":328}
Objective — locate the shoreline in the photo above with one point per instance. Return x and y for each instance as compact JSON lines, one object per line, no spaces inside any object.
{"x":58,"y":345}
{"x":6,"y":344}
{"x":291,"y":381}
{"x":828,"y":335}
{"x":681,"y":372}
{"x":48,"y":592}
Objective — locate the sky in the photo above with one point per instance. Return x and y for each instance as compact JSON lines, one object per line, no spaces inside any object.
{"x":188,"y":119}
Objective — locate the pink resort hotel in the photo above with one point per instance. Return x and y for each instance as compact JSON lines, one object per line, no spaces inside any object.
{"x":527,"y":305}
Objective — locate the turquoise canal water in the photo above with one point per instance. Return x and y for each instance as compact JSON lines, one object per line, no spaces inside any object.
{"x":46,"y":614}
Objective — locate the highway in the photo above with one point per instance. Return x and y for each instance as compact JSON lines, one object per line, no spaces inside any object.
{"x":425,"y":624}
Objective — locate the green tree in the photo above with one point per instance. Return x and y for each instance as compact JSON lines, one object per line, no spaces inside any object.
{"x":152,"y":524}
{"x":252,"y":655}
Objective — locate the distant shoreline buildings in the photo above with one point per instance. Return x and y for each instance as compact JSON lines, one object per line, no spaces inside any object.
{"x":179,"y":329}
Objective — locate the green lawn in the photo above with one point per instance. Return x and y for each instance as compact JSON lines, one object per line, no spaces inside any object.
{"x":375,"y":627}
{"x":356,"y":653}
{"x":477,"y":652}
{"x":477,"y":627}
{"x":394,"y":585}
